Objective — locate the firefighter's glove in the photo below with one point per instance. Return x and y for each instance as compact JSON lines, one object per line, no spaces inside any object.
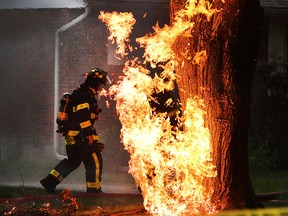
{"x":61,"y":129}
{"x":100,"y":146}
{"x":90,"y":140}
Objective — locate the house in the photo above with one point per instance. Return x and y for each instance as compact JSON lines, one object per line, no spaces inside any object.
{"x":44,"y":51}
{"x":268,"y":127}
{"x":45,"y":46}
{"x":276,"y":32}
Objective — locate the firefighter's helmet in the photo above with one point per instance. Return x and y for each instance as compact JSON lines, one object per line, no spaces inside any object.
{"x":96,"y":77}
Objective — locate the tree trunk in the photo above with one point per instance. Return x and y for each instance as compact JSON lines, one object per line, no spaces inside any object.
{"x":223,"y":80}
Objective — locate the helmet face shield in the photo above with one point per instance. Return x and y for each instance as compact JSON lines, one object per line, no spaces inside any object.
{"x":108,"y":81}
{"x":97,"y":76}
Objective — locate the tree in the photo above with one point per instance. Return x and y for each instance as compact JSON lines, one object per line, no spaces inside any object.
{"x":223,"y":80}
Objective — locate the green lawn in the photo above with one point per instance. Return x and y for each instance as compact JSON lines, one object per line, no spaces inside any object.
{"x":24,"y":171}
{"x":33,"y":200}
{"x":265,"y":182}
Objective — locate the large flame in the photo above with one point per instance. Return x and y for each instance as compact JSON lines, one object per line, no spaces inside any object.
{"x":171,"y":166}
{"x":120,"y":29}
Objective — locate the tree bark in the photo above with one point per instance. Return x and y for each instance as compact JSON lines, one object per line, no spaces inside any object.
{"x":223,"y":80}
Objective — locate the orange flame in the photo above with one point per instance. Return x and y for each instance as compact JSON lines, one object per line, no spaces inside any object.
{"x":170,"y":166}
{"x":120,"y":29}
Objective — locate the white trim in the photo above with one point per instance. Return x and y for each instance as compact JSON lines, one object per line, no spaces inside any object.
{"x":56,"y":75}
{"x":36,"y":4}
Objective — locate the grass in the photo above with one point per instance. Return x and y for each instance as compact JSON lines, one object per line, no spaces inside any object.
{"x":270,"y":181}
{"x":98,"y":204}
{"x":264,"y":182}
{"x":27,"y":170}
{"x":35,"y":201}
{"x":24,"y":171}
{"x":7,"y":192}
{"x":30,"y":170}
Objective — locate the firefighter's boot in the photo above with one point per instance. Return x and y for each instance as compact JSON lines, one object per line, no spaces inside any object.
{"x":49,"y":183}
{"x":94,"y":190}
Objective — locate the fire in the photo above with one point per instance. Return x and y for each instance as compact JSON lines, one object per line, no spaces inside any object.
{"x":171,"y":166}
{"x":119,"y":29}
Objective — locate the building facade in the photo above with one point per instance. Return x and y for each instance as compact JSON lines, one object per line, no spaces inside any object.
{"x":45,"y":50}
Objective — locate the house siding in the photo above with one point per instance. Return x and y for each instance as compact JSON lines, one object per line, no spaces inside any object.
{"x":27,"y":57}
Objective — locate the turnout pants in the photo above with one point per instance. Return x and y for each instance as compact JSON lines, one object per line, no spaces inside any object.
{"x":91,"y":158}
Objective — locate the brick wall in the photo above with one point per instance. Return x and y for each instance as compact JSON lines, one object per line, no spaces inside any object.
{"x":27,"y":54}
{"x":27,"y":39}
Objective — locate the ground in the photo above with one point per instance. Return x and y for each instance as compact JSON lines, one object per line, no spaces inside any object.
{"x":35,"y":202}
{"x":21,"y":192}
{"x":19,"y":201}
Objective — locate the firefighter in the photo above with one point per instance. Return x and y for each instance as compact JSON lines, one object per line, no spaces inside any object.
{"x":81,"y":140}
